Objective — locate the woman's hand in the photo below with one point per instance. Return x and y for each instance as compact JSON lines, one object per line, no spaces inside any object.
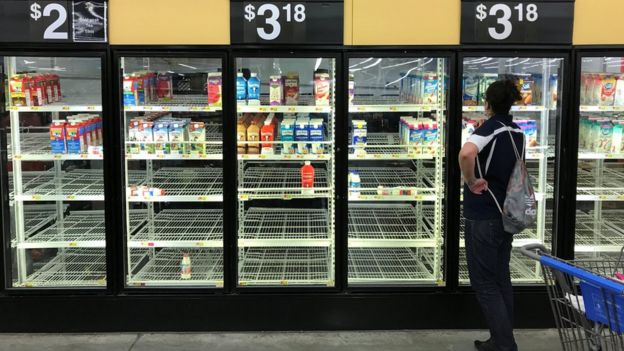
{"x":477,"y":186}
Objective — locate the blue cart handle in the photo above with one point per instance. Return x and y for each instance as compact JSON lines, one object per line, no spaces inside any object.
{"x":534,"y":251}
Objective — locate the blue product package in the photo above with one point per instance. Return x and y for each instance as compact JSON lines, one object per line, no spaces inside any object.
{"x":253,"y":90}
{"x":317,"y":133}
{"x":241,"y":87}
{"x":302,"y":135}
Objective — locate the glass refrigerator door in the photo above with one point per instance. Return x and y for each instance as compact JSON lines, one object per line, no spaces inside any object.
{"x":285,"y":135}
{"x":56,"y":183}
{"x":174,"y":171}
{"x":600,"y":185}
{"x":540,"y":82}
{"x":397,"y":117}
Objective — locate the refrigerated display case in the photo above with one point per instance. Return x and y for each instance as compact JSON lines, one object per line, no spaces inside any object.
{"x":397,"y":118}
{"x":173,"y":158}
{"x":286,"y":109}
{"x":600,"y":173}
{"x":539,"y":114}
{"x":54,"y":123}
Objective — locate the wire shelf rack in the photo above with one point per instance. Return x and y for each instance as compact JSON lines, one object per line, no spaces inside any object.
{"x":390,"y":225}
{"x":604,"y":235}
{"x":306,"y":104}
{"x":185,"y":184}
{"x":180,"y":228}
{"x":400,"y":183}
{"x":30,"y":180}
{"x":80,"y":184}
{"x":178,"y":103}
{"x":609,"y":186}
{"x":163,"y":267}
{"x":35,"y":146}
{"x":79,"y":229}
{"x":71,"y":268}
{"x":391,"y":265}
{"x":281,"y":183}
{"x":285,"y":266}
{"x":388,"y":104}
{"x":285,"y":227}
{"x":522,"y":269}
{"x":37,"y":216}
{"x":387,"y":146}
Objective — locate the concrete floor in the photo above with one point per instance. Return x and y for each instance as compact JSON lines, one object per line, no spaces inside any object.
{"x":534,"y":340}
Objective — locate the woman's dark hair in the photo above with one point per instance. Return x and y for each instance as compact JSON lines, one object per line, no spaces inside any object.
{"x":501,"y":95}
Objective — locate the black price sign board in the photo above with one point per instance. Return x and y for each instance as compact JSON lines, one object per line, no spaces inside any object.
{"x":286,"y":22}
{"x":517,"y":22}
{"x":43,"y":21}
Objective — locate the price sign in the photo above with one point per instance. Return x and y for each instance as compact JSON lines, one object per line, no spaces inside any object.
{"x":517,"y":22}
{"x":60,"y":21}
{"x":286,"y":22}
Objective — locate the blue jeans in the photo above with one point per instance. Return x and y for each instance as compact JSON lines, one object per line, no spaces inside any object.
{"x":488,"y":251}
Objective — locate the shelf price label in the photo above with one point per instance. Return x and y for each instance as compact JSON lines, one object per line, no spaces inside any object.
{"x":517,"y":22}
{"x":286,"y":22}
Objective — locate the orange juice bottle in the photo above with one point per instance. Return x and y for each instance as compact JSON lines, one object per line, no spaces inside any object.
{"x":253,"y":134}
{"x":241,"y":136}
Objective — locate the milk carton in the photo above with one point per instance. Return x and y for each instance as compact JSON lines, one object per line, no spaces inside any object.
{"x":359,"y":135}
{"x":287,"y":135}
{"x":608,"y":90}
{"x":317,"y":133}
{"x":429,"y":89}
{"x":430,"y":137}
{"x":197,"y":138}
{"x":146,"y":137}
{"x":617,"y":144}
{"x":276,"y":91}
{"x":415,"y":130}
{"x":76,"y":143}
{"x":177,"y":137}
{"x":57,"y":137}
{"x":215,"y":96}
{"x":302,"y":135}
{"x":291,"y":88}
{"x":161,"y":138}
{"x":619,"y":91}
{"x":605,"y":137}
{"x":471,"y":90}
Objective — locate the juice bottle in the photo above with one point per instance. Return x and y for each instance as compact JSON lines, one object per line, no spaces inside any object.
{"x":307,"y":178}
{"x":322,"y":87}
{"x":268,"y":134}
{"x":253,"y":90}
{"x":185,"y":267}
{"x":241,"y":89}
{"x":241,"y":136}
{"x":253,"y":135}
{"x":214,"y":89}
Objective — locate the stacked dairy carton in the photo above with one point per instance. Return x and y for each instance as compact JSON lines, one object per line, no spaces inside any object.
{"x":76,"y":135}
{"x":162,"y":134}
{"x":600,"y":134}
{"x":420,"y":134}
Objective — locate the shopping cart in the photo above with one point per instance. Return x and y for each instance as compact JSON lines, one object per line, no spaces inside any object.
{"x":586,"y":299}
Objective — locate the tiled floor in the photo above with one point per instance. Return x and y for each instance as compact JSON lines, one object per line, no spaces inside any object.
{"x":429,"y":340}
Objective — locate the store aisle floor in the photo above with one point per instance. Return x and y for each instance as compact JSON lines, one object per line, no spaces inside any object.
{"x":534,"y":340}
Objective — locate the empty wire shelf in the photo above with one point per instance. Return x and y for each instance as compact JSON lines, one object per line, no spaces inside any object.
{"x":178,"y":103}
{"x":80,"y":185}
{"x":38,"y":216}
{"x":180,"y":228}
{"x":163,"y":267}
{"x":394,"y":184}
{"x":71,"y":268}
{"x":78,"y":229}
{"x":392,"y":266}
{"x":184,"y":184}
{"x":605,"y":234}
{"x":285,"y":266}
{"x":607,"y":186}
{"x":390,"y":225}
{"x":283,"y":227}
{"x":281,"y":183}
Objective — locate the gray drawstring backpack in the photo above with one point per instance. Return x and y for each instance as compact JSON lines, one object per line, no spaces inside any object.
{"x":520,"y":208}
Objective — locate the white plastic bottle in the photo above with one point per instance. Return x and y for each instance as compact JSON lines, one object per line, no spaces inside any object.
{"x":185,"y":267}
{"x":355,"y":184}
